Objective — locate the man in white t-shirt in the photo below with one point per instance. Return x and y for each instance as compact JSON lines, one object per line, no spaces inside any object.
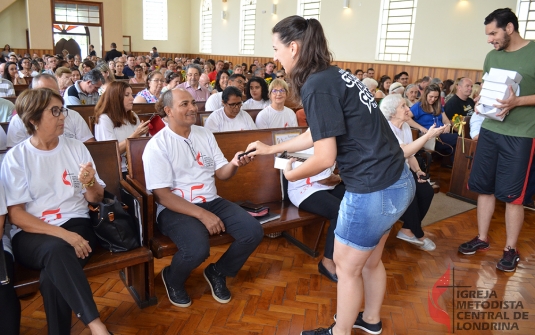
{"x":180,"y":162}
{"x":230,"y":117}
{"x":215,"y":101}
{"x":75,"y":125}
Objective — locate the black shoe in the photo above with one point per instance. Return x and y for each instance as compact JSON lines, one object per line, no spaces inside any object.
{"x":323,"y":270}
{"x":179,"y":298}
{"x":218,"y":284}
{"x":509,"y":260}
{"x":475,"y":244}
{"x":319,"y":331}
{"x":376,"y":328}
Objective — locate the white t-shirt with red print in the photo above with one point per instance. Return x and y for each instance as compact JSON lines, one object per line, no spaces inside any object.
{"x":301,"y":189}
{"x":185,"y":165}
{"x":271,"y":118}
{"x":218,"y":121}
{"x":47,"y":181}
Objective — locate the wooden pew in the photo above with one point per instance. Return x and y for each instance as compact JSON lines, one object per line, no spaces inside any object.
{"x":20,"y":88}
{"x":462,"y":166}
{"x":258,"y":182}
{"x":12,"y":99}
{"x":136,"y":267}
{"x":136,"y":88}
{"x":253,"y":113}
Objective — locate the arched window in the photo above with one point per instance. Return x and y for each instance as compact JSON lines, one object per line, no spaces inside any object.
{"x":155,"y":20}
{"x":396,"y":30}
{"x":205,"y":44}
{"x":526,"y":18}
{"x":247,"y":26}
{"x":309,"y":9}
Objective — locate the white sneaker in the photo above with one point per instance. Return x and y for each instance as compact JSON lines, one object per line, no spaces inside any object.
{"x":428,"y":245}
{"x":410,"y":239}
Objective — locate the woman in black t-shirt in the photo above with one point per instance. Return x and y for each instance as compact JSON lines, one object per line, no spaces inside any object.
{"x":347,"y":126}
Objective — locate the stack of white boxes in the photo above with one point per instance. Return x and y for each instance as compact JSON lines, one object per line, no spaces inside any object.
{"x":496,"y":86}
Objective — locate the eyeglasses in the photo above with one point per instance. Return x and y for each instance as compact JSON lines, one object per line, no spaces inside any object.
{"x":158,"y":80}
{"x":192,"y":75}
{"x":281,"y":91}
{"x":237,"y":104}
{"x":56,"y":111}
{"x":280,"y":76}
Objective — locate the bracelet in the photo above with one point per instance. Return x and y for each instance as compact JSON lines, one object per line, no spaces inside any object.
{"x":91,"y":183}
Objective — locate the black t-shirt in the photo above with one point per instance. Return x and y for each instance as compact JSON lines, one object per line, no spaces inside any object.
{"x":338,"y":105}
{"x":457,"y":106}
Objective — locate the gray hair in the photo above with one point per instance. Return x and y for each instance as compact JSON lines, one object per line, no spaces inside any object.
{"x":165,"y":100}
{"x":407,"y":89}
{"x":103,"y":67}
{"x":389,"y":104}
{"x":42,"y":76}
{"x":435,"y":81}
{"x":95,"y":76}
{"x":369,"y":82}
{"x":195,"y":66}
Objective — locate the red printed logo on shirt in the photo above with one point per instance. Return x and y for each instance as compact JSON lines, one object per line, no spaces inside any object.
{"x":64,"y":178}
{"x":286,"y":125}
{"x":51,"y":214}
{"x":308,"y":181}
{"x":199,"y":156}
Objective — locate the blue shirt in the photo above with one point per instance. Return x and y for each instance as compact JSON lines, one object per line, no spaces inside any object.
{"x":425,"y":119}
{"x":128,"y":71}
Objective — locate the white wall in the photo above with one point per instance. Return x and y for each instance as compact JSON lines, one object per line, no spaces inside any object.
{"x":448,"y":33}
{"x":179,"y":26}
{"x":13,"y":31}
{"x":95,"y":38}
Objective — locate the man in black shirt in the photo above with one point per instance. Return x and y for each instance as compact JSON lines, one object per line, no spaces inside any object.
{"x":110,"y":55}
{"x":461,"y":103}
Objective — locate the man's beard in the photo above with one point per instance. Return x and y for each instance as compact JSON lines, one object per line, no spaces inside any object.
{"x":506,"y":42}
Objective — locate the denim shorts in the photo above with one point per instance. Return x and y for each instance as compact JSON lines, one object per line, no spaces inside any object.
{"x":364,"y":218}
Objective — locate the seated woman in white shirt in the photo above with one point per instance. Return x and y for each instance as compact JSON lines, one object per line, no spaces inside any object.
{"x":115,"y":120}
{"x":49,"y":180}
{"x":276,"y":115}
{"x":230,"y":117}
{"x":257,"y":93}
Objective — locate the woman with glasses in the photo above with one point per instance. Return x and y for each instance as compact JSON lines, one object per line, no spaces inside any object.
{"x":257,"y":93}
{"x":153,"y":88}
{"x":172,"y":79}
{"x":230,"y":117}
{"x":276,"y":115}
{"x":115,"y":120}
{"x":139,"y":77}
{"x":12,"y":74}
{"x":49,"y":180}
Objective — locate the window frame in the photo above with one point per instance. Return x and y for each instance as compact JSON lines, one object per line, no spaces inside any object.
{"x":245,"y":26}
{"x":205,"y":39}
{"x":393,"y":24}
{"x":161,"y":34}
{"x":302,"y":7}
{"x":523,"y":10}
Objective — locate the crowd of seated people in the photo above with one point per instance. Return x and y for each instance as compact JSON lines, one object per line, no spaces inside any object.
{"x":174,"y":85}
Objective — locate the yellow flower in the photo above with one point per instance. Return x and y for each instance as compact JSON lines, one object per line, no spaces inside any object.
{"x":268,"y":80}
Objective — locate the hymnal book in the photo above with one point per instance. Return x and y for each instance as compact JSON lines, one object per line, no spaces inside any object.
{"x":267,"y":218}
{"x":253,"y":209}
{"x":282,"y":159}
{"x":4,"y":279}
{"x":155,"y":125}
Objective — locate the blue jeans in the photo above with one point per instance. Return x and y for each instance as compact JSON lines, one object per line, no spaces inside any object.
{"x":365,"y":217}
{"x":191,"y":237}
